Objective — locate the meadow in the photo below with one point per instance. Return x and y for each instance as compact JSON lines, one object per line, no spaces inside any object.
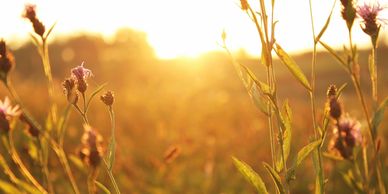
{"x":180,"y":121}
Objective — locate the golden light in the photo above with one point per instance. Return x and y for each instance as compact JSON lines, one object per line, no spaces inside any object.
{"x":182,"y":27}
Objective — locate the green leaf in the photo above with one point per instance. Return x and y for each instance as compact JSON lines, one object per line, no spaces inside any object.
{"x":326,"y":25}
{"x":286,"y":118}
{"x":293,"y":67}
{"x":95,"y":92}
{"x":250,"y":175}
{"x":335,"y":55}
{"x":102,"y":187}
{"x":8,"y":188}
{"x":111,"y":153}
{"x":50,"y":30}
{"x":304,"y":152}
{"x":275,"y":177}
{"x":352,"y":182}
{"x":378,"y":116}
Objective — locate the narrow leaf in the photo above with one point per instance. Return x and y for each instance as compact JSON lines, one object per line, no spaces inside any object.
{"x":50,"y":30}
{"x":286,"y":118}
{"x":378,"y":116}
{"x":275,"y":177}
{"x":326,"y":24}
{"x":102,"y":187}
{"x":335,"y":55}
{"x":111,"y":153}
{"x":250,"y":175}
{"x":293,"y":67}
{"x":8,"y":188}
{"x":78,"y":163}
{"x":304,"y":152}
{"x":96,"y":91}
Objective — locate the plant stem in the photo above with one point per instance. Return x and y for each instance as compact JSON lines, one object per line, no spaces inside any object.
{"x":112,"y":178}
{"x":320,"y":173}
{"x":91,"y":181}
{"x":45,"y":169}
{"x":63,"y":159}
{"x":16,"y":158}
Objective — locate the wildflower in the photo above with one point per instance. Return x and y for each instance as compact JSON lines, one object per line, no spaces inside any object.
{"x":80,"y":74}
{"x":30,"y":14}
{"x":7,"y":112}
{"x":348,"y":12}
{"x":244,"y":5}
{"x":108,"y":98}
{"x":371,"y":22}
{"x":347,"y":135}
{"x":91,"y":152}
{"x":69,"y":90}
{"x":7,"y":61}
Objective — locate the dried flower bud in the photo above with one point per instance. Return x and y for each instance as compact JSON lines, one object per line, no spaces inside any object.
{"x":69,"y":90}
{"x":332,"y":91}
{"x":91,"y":153}
{"x":244,"y":5}
{"x":38,"y":27}
{"x":335,"y":108}
{"x":108,"y":98}
{"x":7,"y":61}
{"x":348,"y":12}
{"x":30,"y":14}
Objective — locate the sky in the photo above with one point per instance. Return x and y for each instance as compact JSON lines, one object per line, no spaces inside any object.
{"x":182,"y":27}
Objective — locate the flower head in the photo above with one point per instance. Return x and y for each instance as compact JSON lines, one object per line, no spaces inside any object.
{"x":81,"y":74}
{"x":348,"y":12}
{"x":7,"y":61}
{"x":369,"y":13}
{"x":30,"y":14}
{"x":7,"y":112}
{"x":92,"y":151}
{"x":347,"y":135}
{"x":244,"y":5}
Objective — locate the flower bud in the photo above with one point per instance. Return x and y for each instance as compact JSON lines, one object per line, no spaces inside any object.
{"x":335,"y":108}
{"x":108,"y":98}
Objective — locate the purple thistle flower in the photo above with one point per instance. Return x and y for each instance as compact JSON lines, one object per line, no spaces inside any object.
{"x":347,"y":135}
{"x":81,"y":73}
{"x":369,"y":13}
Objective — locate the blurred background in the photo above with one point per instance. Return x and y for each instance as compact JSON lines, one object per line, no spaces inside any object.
{"x":177,"y":90}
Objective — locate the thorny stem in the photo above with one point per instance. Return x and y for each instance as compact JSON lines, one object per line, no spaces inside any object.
{"x":16,"y":158}
{"x":320,"y":172}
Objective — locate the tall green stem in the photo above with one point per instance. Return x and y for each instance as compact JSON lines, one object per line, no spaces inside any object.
{"x":320,"y":173}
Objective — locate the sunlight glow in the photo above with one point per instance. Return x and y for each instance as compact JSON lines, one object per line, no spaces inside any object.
{"x":182,"y":27}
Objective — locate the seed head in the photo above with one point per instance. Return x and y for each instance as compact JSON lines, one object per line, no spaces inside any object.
{"x":108,"y":98}
{"x":92,"y":151}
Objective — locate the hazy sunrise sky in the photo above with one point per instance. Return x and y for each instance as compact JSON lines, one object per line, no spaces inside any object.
{"x":182,"y":27}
